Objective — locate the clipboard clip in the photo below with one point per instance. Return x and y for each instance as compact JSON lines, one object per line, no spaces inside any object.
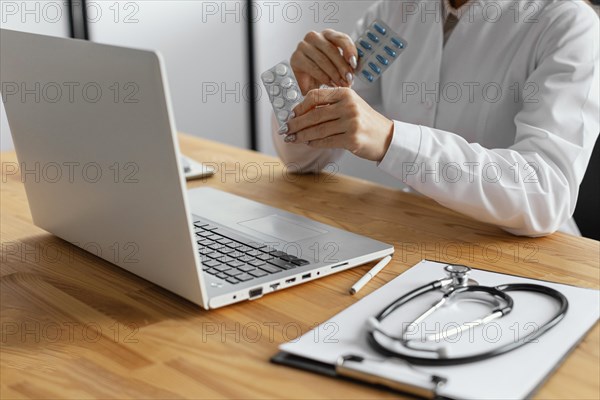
{"x":378,"y":371}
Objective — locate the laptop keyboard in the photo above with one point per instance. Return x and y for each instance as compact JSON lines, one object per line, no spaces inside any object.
{"x":232,"y":258}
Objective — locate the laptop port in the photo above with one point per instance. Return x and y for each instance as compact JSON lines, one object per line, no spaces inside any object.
{"x":255,"y":293}
{"x":291,"y":280}
{"x":339,"y":265}
{"x":275,"y":286}
{"x":306,"y":276}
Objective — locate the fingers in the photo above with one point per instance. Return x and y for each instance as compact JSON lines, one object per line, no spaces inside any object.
{"x":323,"y":50}
{"x":315,"y":117}
{"x":330,"y":142}
{"x":321,"y":131}
{"x":303,"y":63}
{"x":342,"y":66}
{"x":319,"y":97}
{"x":345,"y":43}
{"x":310,"y":48}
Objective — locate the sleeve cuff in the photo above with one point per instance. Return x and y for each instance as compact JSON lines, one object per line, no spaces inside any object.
{"x":404,"y":147}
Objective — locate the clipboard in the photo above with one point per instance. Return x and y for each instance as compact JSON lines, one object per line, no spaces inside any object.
{"x":517,"y":374}
{"x":360,"y":369}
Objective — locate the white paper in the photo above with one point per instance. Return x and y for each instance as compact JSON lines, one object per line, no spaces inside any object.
{"x":510,"y":376}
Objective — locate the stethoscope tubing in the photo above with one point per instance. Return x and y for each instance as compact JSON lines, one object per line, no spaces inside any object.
{"x":513,"y":287}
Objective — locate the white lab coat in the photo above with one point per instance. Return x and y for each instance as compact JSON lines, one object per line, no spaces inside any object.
{"x":512,"y":157}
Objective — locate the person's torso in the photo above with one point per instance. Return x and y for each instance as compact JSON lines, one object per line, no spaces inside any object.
{"x":474,"y":85}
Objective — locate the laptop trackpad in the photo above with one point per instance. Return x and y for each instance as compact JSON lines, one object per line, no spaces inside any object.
{"x":281,"y":228}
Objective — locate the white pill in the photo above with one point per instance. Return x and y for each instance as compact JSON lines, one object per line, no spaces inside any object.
{"x":291,"y":94}
{"x":274,"y":90}
{"x":278,"y":102}
{"x":268,"y":77}
{"x":281,"y":69}
{"x":282,"y":115}
{"x":287,"y":82}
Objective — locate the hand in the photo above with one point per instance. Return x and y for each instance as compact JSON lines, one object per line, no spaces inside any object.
{"x":340,"y":118}
{"x":317,"y":60}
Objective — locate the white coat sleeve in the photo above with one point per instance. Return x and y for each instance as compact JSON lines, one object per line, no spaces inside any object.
{"x":556,"y":135}
{"x":304,"y":159}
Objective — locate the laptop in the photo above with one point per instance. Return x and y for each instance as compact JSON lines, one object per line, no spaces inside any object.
{"x":94,"y":134}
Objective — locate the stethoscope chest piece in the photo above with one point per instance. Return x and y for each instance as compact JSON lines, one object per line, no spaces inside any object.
{"x":459,"y":274}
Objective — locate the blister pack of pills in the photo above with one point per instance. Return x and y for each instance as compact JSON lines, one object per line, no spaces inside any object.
{"x":283,"y":90}
{"x":378,"y":47}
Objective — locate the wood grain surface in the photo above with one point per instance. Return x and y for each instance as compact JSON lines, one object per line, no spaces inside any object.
{"x":75,"y":326}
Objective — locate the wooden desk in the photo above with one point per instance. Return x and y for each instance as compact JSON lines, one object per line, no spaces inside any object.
{"x":75,"y":326}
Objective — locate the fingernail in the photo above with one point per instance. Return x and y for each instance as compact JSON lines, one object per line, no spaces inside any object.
{"x":292,"y":115}
{"x":290,"y":138}
{"x":283,"y":129}
{"x":349,"y":77}
{"x":353,"y":62}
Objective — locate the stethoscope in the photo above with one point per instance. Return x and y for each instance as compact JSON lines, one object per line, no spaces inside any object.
{"x":453,"y":286}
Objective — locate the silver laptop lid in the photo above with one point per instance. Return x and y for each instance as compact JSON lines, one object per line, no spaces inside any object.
{"x":96,"y":142}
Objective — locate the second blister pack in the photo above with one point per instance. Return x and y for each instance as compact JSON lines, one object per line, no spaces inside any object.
{"x":378,"y":47}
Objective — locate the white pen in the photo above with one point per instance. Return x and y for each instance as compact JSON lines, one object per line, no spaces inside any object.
{"x":369,"y":275}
